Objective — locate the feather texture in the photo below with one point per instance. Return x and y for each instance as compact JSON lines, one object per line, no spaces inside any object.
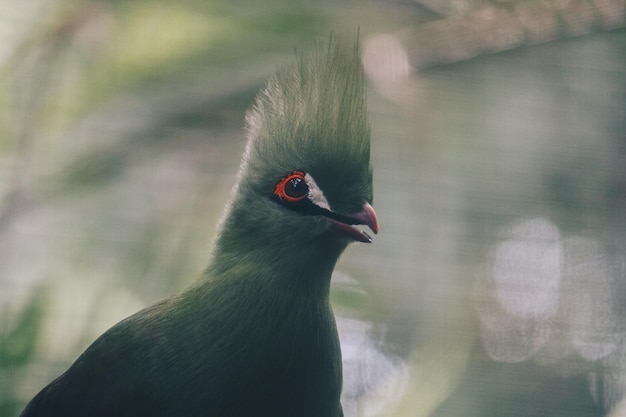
{"x":256,"y":335}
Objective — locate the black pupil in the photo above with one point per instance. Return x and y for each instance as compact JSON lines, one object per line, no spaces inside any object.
{"x":296,"y":187}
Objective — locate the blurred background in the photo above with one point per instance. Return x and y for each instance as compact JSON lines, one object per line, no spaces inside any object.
{"x":497,"y":285}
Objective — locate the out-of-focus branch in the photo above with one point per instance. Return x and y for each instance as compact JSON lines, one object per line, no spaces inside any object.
{"x":499,"y":26}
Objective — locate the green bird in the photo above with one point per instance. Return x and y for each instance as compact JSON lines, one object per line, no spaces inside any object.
{"x":256,"y":336}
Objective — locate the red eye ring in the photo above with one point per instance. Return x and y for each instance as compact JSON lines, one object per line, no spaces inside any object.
{"x":292,"y":188}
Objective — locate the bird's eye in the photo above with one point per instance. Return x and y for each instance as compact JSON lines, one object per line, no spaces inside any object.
{"x":292,"y":188}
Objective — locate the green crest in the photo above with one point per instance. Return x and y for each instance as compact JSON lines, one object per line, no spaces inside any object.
{"x":313,"y":117}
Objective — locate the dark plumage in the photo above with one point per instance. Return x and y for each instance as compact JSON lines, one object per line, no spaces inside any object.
{"x":256,"y":335}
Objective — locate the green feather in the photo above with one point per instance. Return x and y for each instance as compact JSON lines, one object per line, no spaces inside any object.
{"x":256,"y":336}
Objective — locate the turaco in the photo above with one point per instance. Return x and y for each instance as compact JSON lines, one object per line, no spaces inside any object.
{"x":256,"y":336}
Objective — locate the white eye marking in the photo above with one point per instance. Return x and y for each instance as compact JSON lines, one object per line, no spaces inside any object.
{"x":315,"y":195}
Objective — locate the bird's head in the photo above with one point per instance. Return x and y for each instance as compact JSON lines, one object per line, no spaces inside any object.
{"x":306,"y":173}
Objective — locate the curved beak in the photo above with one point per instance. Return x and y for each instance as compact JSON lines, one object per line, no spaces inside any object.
{"x":367,"y":216}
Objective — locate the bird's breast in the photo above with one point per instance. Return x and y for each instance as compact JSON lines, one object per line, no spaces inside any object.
{"x":301,"y":372}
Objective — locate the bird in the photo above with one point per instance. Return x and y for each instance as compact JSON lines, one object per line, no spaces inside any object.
{"x":255,"y":335}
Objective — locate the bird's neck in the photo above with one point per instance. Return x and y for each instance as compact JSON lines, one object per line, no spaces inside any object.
{"x":299,"y":268}
{"x":255,"y":254}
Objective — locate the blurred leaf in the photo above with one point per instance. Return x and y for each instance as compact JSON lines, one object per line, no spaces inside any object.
{"x":17,"y":344}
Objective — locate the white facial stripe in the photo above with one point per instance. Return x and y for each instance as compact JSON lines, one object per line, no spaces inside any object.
{"x":315,"y":193}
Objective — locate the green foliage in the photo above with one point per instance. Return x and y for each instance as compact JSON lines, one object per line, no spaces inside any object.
{"x":18,"y":339}
{"x":17,"y":342}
